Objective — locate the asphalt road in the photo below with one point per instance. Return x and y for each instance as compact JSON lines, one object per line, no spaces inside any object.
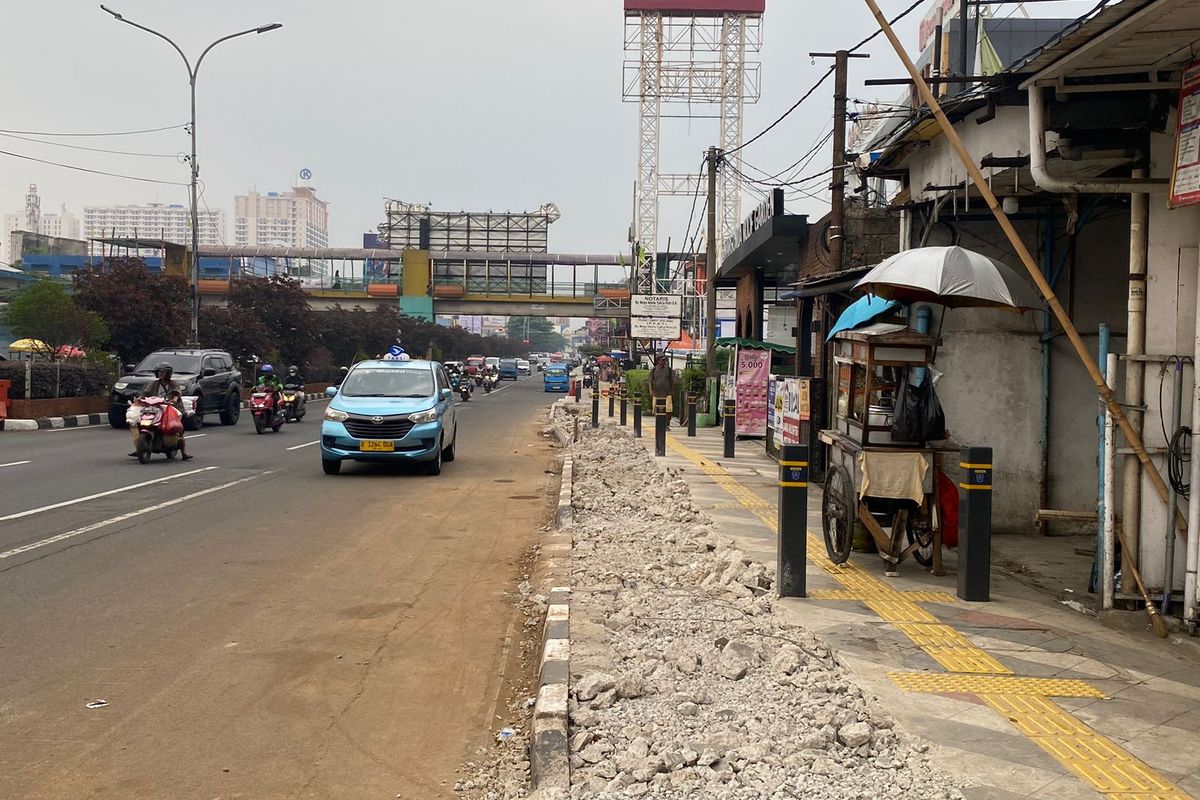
{"x":259,"y":629}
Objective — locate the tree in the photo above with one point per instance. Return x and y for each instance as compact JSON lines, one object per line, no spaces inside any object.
{"x":281,"y":305}
{"x":45,"y":311}
{"x":143,"y":311}
{"x":542,"y":335}
{"x":237,"y":331}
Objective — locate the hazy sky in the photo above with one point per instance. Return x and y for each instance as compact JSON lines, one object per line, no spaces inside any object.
{"x":476,"y":104}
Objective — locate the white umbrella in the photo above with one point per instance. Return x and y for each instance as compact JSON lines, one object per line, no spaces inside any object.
{"x":950,"y":276}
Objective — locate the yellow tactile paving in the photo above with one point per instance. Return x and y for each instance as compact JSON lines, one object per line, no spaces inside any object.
{"x":1098,"y":761}
{"x":1008,"y":685}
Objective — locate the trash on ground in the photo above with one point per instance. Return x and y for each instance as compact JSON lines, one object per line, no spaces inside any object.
{"x":505,"y":734}
{"x":97,"y":704}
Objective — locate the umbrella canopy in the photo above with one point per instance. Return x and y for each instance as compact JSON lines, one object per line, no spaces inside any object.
{"x":860,"y":312}
{"x":29,"y":346}
{"x":950,"y":276}
{"x":604,"y":359}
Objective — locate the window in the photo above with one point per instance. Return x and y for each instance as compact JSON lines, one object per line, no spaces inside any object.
{"x":443,"y":381}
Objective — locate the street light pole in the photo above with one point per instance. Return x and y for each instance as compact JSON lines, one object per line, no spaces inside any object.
{"x":194,"y":258}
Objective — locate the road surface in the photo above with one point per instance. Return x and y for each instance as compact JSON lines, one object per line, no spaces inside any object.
{"x":256,"y":628}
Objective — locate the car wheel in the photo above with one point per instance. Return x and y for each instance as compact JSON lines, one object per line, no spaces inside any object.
{"x":331,"y":467}
{"x":233,"y":409}
{"x":434,"y":467}
{"x":116,"y":418}
{"x":448,"y":454}
{"x":196,"y":421}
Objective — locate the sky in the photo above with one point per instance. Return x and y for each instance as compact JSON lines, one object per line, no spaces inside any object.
{"x":463,"y":104}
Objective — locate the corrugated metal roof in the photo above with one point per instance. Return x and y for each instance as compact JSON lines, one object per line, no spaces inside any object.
{"x":1132,"y":36}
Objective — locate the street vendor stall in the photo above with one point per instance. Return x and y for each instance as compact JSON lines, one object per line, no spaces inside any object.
{"x":889,"y":434}
{"x":881,"y":475}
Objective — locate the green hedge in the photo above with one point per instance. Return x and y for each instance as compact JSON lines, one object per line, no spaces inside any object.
{"x":74,"y":380}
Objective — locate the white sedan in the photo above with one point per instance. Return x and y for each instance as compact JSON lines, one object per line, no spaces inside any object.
{"x":523,"y":366}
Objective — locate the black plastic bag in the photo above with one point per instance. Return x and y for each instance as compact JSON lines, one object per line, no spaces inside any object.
{"x":918,"y":416}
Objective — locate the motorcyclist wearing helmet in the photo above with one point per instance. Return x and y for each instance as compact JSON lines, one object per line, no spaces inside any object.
{"x":268,"y":380}
{"x":163,"y":386}
{"x":294,"y":380}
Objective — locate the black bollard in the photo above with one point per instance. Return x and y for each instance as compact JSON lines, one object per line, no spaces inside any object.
{"x":975,"y":525}
{"x":578,"y":390}
{"x":637,"y":415}
{"x":612,"y":399}
{"x":595,"y":407}
{"x":624,"y":408}
{"x":691,"y":415}
{"x":660,"y":426}
{"x":793,"y":520}
{"x":729,"y":418}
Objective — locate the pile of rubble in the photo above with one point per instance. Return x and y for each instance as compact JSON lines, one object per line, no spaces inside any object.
{"x":685,"y":683}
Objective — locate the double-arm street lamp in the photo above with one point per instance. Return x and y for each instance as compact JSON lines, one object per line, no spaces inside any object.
{"x":194,"y":266}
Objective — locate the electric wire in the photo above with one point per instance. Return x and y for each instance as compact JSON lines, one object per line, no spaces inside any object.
{"x":78,"y":168}
{"x":821,"y":80}
{"x":111,"y":133}
{"x":90,"y":149}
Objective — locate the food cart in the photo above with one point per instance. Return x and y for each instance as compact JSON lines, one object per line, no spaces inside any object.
{"x":887,"y":485}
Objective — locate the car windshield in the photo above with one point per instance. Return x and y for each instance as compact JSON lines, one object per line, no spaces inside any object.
{"x":508,"y":363}
{"x":555,"y":371}
{"x":388,"y":382}
{"x":179,"y":363}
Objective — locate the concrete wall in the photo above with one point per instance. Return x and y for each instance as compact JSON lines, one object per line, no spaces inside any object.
{"x":992,"y":371}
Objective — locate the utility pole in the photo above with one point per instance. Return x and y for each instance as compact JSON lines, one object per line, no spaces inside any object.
{"x":837,"y":186}
{"x":710,"y":257}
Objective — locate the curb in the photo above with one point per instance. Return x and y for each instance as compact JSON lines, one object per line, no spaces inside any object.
{"x":549,"y":750}
{"x":81,"y":420}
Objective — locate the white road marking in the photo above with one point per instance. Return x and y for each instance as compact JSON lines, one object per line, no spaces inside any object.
{"x":16,"y":551}
{"x":195,"y":435}
{"x":297,"y":447}
{"x":14,"y":464}
{"x":98,"y":495}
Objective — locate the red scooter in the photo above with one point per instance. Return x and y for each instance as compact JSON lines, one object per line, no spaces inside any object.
{"x":267,"y":410}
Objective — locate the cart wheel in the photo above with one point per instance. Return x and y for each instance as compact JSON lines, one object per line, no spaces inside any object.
{"x":906,"y":532}
{"x":838,"y":507}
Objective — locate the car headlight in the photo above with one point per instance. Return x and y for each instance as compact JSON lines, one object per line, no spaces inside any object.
{"x":333,"y":415}
{"x":121,"y":385}
{"x":422,"y":417}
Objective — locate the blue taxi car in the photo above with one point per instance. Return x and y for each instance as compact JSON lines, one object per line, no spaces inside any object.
{"x":390,"y":411}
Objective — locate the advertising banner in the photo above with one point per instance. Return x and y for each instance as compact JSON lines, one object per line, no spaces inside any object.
{"x":1185,"y":178}
{"x":787,"y":410}
{"x":772,"y":388}
{"x":753,"y":374}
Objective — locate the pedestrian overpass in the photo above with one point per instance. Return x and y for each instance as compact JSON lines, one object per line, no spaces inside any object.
{"x":426,"y":283}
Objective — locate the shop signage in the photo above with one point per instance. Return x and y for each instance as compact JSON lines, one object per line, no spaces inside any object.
{"x":1185,"y":177}
{"x":942,"y":10}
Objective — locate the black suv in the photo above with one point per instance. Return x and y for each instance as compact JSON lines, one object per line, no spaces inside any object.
{"x":209,"y":375}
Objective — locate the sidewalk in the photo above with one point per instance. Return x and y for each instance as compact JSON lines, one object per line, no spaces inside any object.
{"x":1021,"y":697}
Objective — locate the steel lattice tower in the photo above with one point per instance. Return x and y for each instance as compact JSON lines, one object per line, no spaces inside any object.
{"x":688,"y":57}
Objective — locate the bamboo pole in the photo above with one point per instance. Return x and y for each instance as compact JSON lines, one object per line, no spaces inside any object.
{"x":1102,"y":389}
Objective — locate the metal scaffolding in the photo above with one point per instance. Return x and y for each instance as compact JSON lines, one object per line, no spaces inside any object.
{"x":692,"y":60}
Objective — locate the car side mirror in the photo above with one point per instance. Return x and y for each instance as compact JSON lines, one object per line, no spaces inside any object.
{"x":130,"y":367}
{"x":331,"y":391}
{"x":208,"y":373}
{"x":447,"y":394}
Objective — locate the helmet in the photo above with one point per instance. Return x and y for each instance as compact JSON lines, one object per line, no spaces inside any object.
{"x":164,"y":366}
{"x":292,"y":370}
{"x":267,"y":368}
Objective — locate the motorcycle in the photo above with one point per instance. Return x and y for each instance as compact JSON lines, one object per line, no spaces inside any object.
{"x":292,"y":412}
{"x":489,"y":383}
{"x":159,"y":426}
{"x":267,"y":410}
{"x":478,"y":379}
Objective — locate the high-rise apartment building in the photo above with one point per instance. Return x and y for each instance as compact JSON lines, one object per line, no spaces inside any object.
{"x":172,"y":223}
{"x":292,"y":219}
{"x":64,"y":225}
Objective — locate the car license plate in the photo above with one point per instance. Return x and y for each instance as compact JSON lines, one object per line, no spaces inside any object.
{"x":376,"y":447}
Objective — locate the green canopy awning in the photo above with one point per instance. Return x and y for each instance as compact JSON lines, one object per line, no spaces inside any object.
{"x":754,"y":344}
